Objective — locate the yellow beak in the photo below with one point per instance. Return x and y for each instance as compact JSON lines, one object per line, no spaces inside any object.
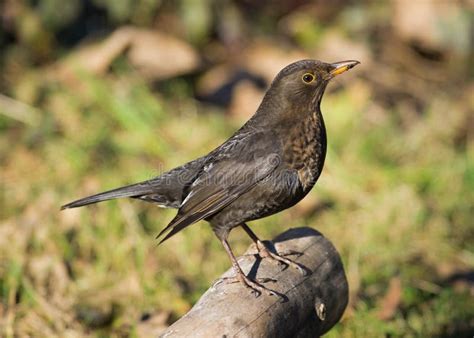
{"x":342,"y":66}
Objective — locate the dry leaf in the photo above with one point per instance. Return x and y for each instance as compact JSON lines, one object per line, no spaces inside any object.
{"x":213,"y":79}
{"x":266,"y":59}
{"x":437,"y":25}
{"x":245,"y":99}
{"x":157,"y":55}
{"x":390,"y":302}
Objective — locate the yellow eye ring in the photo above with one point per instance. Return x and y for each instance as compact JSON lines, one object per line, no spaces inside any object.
{"x":308,"y":78}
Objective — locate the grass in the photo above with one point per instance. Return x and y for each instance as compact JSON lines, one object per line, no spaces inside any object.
{"x":399,"y":204}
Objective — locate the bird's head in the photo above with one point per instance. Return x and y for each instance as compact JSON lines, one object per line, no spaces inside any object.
{"x":305,"y":81}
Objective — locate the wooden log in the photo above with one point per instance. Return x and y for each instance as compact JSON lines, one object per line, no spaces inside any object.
{"x":313,"y":304}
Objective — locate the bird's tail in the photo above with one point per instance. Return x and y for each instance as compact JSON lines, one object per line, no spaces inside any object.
{"x":165,"y":190}
{"x":133,"y":190}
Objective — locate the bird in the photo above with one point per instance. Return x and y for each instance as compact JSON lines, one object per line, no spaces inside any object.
{"x":266,"y":166}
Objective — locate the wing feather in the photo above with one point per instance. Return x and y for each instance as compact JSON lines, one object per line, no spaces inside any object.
{"x":222,"y":184}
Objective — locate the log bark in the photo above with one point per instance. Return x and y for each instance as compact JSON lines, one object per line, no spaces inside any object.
{"x":313,"y":304}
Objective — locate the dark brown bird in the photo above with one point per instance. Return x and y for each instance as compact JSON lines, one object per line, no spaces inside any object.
{"x":267,"y":166}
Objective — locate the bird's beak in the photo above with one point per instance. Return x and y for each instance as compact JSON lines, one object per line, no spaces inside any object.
{"x":342,"y":66}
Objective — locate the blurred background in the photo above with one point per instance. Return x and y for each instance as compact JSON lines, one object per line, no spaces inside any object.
{"x":95,"y":94}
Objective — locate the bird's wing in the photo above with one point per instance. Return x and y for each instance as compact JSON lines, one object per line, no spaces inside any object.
{"x":220,"y":184}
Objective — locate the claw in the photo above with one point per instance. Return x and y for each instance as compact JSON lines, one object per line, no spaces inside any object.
{"x":255,"y":287}
{"x":264,"y":252}
{"x":234,"y":279}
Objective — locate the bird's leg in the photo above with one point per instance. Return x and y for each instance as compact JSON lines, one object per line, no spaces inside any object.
{"x":256,"y":287}
{"x":265,"y":252}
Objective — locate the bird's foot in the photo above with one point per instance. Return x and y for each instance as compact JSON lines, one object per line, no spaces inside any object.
{"x":235,"y":279}
{"x":265,"y":252}
{"x":255,"y":286}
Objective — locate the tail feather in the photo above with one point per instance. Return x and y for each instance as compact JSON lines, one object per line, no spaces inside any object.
{"x":165,"y":190}
{"x":133,"y":190}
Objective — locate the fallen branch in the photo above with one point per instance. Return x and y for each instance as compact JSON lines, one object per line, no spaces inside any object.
{"x":18,"y":110}
{"x":314,"y":303}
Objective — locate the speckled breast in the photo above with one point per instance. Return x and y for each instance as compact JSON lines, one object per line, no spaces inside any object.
{"x":305,"y":149}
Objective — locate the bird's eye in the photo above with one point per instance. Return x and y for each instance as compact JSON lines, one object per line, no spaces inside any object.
{"x":308,"y":78}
